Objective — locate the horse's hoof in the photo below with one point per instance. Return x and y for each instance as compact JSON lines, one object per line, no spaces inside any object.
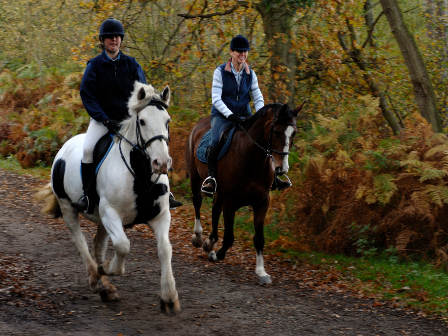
{"x":264,"y":280}
{"x":196,"y":242}
{"x":212,"y":257}
{"x":170,"y":307}
{"x":208,"y":245}
{"x":108,"y":293}
{"x":109,"y":296}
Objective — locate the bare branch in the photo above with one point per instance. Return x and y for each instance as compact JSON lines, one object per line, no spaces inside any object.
{"x":371,"y":30}
{"x":206,"y":16}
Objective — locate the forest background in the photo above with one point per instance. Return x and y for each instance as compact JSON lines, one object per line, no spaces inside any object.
{"x":370,"y":165}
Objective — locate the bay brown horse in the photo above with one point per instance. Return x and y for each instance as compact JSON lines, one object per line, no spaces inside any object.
{"x":259,"y":150}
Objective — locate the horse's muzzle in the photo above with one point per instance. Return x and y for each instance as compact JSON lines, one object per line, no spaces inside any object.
{"x":161,"y":166}
{"x":280,"y":171}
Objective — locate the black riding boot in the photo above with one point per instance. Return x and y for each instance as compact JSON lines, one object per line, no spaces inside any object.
{"x":209,"y":184}
{"x":173,"y":203}
{"x":279,"y":184}
{"x":86,"y":174}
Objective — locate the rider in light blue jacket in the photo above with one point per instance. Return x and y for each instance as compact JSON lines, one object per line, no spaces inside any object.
{"x":233,"y":85}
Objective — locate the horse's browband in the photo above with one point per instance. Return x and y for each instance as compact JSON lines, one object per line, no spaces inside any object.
{"x":156,"y":102}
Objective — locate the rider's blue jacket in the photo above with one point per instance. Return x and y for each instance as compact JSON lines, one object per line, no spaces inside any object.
{"x":107,"y":85}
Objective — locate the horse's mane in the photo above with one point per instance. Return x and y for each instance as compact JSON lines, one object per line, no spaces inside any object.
{"x":135,"y":105}
{"x":268,"y":109}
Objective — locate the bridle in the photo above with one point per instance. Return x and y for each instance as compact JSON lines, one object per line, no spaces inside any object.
{"x":269,"y":150}
{"x":141,"y":145}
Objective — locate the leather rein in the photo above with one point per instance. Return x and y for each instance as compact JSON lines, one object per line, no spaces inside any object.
{"x":141,"y":145}
{"x":269,"y":151}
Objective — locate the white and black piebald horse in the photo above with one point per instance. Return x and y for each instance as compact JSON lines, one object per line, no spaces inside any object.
{"x":133,"y":188}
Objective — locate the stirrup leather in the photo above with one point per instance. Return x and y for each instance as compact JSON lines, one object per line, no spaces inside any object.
{"x":205,"y":192}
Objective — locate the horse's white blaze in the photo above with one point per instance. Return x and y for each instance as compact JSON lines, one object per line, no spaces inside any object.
{"x":288,"y":135}
{"x":259,"y":269}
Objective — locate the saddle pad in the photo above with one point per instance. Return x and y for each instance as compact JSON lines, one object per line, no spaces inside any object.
{"x":101,"y":150}
{"x":202,"y":151}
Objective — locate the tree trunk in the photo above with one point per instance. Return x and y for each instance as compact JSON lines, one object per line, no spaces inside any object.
{"x":423,"y":90}
{"x":356,"y":55}
{"x":277,"y":20}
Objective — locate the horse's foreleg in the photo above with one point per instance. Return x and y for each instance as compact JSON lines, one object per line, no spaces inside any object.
{"x":169,"y":298}
{"x":213,"y":238}
{"x":259,"y":216}
{"x":114,"y":227}
{"x":228,"y":239}
{"x":197,"y":239}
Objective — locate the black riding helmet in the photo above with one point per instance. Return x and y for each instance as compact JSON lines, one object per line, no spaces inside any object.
{"x":239,"y":43}
{"x":111,"y":26}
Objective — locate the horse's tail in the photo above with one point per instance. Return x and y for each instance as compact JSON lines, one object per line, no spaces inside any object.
{"x":51,"y":206}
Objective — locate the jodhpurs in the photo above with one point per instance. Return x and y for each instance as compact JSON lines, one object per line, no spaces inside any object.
{"x":95,"y":131}
{"x":219,"y":124}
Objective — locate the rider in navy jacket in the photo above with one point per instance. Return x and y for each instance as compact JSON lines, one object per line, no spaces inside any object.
{"x":106,"y":86}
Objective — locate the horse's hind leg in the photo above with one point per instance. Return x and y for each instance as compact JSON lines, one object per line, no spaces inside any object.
{"x":213,"y":238}
{"x":197,"y":240}
{"x":228,"y":239}
{"x":106,"y":290}
{"x":169,"y":298}
{"x":259,"y":216}
{"x":79,"y":241}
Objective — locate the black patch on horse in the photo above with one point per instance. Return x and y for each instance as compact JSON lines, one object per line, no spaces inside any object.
{"x":101,"y":148}
{"x":58,"y":179}
{"x":145,"y":189}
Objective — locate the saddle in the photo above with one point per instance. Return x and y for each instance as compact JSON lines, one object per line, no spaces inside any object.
{"x":102,"y":148}
{"x":225,"y":141}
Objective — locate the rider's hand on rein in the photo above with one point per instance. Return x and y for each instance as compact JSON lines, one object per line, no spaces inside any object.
{"x":112,"y":125}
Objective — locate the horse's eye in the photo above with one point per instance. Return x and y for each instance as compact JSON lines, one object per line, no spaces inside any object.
{"x":277,"y":133}
{"x":142,"y":122}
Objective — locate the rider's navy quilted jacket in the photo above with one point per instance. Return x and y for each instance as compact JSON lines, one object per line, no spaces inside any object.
{"x":107,"y":85}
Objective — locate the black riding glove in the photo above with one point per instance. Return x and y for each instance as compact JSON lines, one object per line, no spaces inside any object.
{"x":112,"y":125}
{"x":235,"y":119}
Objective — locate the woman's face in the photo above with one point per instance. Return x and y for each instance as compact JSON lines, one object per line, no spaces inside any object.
{"x":239,"y":57}
{"x":112,"y":43}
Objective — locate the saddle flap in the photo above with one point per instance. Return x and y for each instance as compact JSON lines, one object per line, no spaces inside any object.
{"x":224,"y":144}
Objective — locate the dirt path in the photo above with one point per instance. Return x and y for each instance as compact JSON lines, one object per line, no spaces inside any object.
{"x":44,"y":288}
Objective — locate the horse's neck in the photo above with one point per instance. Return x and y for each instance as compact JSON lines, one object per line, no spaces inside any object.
{"x":131,"y":133}
{"x":255,"y":136}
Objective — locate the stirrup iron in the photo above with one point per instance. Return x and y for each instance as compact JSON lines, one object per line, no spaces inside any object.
{"x":208,"y":193}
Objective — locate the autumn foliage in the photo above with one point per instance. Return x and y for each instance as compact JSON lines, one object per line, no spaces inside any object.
{"x":359,"y":190}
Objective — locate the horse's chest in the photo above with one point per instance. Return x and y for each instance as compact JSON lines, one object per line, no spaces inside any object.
{"x":148,"y":202}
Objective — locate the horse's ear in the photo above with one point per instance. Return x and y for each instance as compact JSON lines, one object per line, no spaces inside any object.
{"x":166,"y":95}
{"x":296,"y":111}
{"x":283,"y":109}
{"x":141,"y":93}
